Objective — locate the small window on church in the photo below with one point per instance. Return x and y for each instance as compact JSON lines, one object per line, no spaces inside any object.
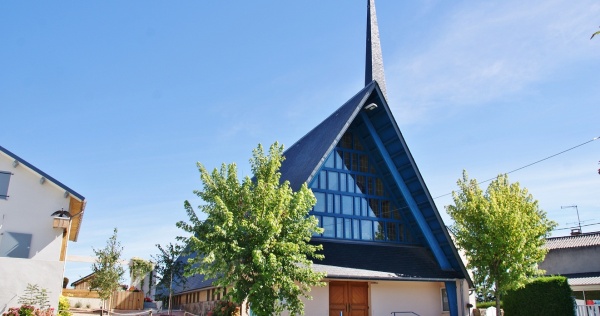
{"x":4,"y":180}
{"x":445,"y":305}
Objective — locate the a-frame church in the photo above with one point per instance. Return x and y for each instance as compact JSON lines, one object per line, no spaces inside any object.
{"x":386,"y":247}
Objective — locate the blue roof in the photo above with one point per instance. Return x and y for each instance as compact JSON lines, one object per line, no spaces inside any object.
{"x":303,"y":159}
{"x":43,"y":174}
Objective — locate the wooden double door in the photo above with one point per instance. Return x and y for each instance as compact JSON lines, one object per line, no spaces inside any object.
{"x":348,"y":298}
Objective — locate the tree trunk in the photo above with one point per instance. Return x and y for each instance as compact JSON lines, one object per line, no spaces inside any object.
{"x":497,"y":294}
{"x":170,"y":292}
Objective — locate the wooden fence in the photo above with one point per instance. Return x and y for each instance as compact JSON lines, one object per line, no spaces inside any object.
{"x":128,"y":300}
{"x":80,"y":293}
{"x":123,"y":300}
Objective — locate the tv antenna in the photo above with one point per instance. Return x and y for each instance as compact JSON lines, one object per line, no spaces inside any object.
{"x":578,"y":220}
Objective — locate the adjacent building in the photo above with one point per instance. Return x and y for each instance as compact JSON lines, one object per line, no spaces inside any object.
{"x":38,"y":217}
{"x":578,"y":258}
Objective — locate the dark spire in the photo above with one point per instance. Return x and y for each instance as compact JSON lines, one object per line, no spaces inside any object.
{"x":374,"y":60}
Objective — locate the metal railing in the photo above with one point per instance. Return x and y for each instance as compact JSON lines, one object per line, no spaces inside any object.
{"x":397,"y":313}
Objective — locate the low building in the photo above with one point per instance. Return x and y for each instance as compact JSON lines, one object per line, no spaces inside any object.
{"x":84,"y":283}
{"x":38,"y":217}
{"x":578,"y":258}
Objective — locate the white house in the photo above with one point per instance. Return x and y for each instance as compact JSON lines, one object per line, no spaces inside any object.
{"x":33,"y":241}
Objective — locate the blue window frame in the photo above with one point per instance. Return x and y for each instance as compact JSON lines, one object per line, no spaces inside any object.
{"x":353,"y":201}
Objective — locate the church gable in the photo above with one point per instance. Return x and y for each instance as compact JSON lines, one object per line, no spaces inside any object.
{"x":367,"y":185}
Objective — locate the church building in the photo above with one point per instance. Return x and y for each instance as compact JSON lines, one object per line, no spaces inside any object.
{"x":386,"y":247}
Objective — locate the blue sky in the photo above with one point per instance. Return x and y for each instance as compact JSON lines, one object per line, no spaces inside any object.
{"x":120,"y":99}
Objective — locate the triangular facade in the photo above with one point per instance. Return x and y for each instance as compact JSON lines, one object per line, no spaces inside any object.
{"x":361,"y":171}
{"x":377,"y":214}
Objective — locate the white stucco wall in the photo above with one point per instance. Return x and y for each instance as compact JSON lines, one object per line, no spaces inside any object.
{"x":423,"y":298}
{"x":319,"y":305}
{"x":27,"y":210}
{"x":16,"y":273}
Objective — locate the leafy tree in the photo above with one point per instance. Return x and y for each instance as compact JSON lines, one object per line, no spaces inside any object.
{"x":255,"y":237}
{"x":502,"y":232}
{"x":169,"y":269}
{"x":107,"y":269}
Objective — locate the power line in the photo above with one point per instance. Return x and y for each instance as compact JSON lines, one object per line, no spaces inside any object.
{"x":576,"y":226}
{"x":531,"y":164}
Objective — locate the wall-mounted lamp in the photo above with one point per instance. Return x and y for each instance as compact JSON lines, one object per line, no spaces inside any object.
{"x":42,"y":180}
{"x":371,"y":106}
{"x":66,"y":195}
{"x":15,"y":163}
{"x":61,"y":219}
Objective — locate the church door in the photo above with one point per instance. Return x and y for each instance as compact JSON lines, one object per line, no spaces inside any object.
{"x":348,"y":298}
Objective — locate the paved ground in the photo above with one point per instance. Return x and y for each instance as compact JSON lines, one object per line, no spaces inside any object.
{"x":90,"y":312}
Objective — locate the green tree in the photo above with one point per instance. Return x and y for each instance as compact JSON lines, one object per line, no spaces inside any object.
{"x":501,"y":231}
{"x":108,"y":271}
{"x":256,"y":236}
{"x":169,"y":270}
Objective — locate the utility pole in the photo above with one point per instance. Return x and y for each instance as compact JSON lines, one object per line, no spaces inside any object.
{"x":578,"y":220}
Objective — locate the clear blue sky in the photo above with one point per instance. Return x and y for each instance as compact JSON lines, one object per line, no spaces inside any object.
{"x":120,"y":99}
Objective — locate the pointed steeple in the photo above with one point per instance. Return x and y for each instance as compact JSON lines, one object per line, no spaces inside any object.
{"x":374,"y":59}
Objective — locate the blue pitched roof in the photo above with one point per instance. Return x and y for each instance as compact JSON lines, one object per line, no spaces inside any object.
{"x":192,"y":283}
{"x":305,"y":158}
{"x":403,"y":261}
{"x":40,"y":172}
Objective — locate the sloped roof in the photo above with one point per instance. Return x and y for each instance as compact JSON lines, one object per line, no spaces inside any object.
{"x":77,"y":201}
{"x":302,"y":159}
{"x":394,"y":262}
{"x":84,"y":279}
{"x":576,"y":241}
{"x":192,"y":283}
{"x":578,"y":279}
{"x":41,"y":173}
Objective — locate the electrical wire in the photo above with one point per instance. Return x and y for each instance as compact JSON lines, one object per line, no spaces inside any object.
{"x":531,"y":164}
{"x":576,"y":226}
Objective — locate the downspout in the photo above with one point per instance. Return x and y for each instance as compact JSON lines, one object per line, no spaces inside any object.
{"x":462,"y":298}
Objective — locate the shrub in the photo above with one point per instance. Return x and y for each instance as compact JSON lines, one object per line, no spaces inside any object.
{"x":488,"y":304}
{"x":28,"y":310}
{"x":63,"y":306}
{"x":225,"y":308}
{"x":547,"y":296}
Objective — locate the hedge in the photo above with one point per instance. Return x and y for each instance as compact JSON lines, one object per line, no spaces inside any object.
{"x":549,"y":296}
